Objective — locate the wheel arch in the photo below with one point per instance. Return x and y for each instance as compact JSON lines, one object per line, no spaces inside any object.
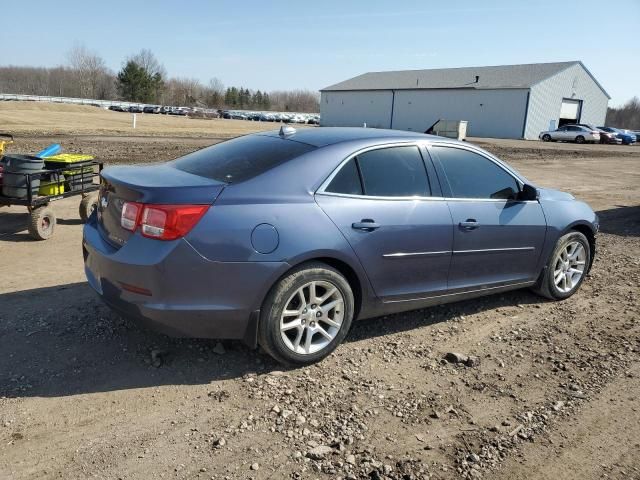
{"x":589,"y":232}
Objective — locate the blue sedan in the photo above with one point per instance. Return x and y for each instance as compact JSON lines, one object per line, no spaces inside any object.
{"x":282,"y":239}
{"x":626,"y":137}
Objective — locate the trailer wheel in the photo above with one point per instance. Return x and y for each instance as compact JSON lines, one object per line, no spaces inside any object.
{"x":88,"y":204}
{"x":42,"y":222}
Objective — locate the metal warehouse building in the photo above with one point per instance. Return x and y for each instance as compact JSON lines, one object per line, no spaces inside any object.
{"x":508,"y":101}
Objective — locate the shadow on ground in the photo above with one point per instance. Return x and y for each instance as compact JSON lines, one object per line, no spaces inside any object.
{"x":623,"y":221}
{"x":63,"y":341}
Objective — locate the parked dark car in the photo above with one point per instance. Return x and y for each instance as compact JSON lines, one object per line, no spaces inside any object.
{"x":151,"y":109}
{"x":283,"y":238}
{"x":135,"y":109}
{"x":165,"y":110}
{"x":627,"y":139}
{"x":605,"y":137}
{"x":118,"y":108}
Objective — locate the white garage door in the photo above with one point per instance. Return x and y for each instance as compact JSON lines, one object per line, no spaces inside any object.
{"x":570,"y":109}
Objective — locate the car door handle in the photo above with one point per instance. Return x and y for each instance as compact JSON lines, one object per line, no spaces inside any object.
{"x":469,"y":224}
{"x":366,"y":224}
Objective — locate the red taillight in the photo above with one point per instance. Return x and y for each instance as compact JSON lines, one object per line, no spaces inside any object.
{"x":130,"y":215}
{"x":162,"y":222}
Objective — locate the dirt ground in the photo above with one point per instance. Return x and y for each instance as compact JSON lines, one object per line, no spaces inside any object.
{"x":41,"y":118}
{"x":553,"y":393}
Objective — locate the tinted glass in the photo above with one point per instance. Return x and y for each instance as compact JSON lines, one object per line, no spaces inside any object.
{"x":241,"y":158}
{"x":394,"y":172}
{"x":347,"y":180}
{"x":473,"y":176}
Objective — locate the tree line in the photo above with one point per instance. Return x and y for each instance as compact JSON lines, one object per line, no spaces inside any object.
{"x":143,"y":79}
{"x":626,"y":116}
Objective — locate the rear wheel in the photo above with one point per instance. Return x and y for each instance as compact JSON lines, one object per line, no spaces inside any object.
{"x":566,"y":268}
{"x":546,"y":137}
{"x":580,"y":139}
{"x":306,"y":315}
{"x":88,"y":204}
{"x":42,"y":222}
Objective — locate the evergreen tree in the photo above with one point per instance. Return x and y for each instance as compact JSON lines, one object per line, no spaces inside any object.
{"x":135,"y":85}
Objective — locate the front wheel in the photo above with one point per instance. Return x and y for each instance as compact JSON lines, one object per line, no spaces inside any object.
{"x":306,"y":315}
{"x":566,"y":268}
{"x":546,"y":137}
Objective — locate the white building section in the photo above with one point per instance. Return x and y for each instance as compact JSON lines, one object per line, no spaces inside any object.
{"x":509,"y":101}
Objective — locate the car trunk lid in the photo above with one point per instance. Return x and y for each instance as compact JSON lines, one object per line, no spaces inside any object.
{"x":152,"y":184}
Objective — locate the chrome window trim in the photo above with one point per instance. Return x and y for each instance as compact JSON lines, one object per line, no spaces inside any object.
{"x":427,"y":144}
{"x":372,"y":197}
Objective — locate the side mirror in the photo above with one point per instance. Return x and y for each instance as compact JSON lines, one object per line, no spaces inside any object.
{"x":528,"y":192}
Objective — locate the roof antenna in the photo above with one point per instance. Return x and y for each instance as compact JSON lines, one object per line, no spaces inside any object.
{"x":286,"y":131}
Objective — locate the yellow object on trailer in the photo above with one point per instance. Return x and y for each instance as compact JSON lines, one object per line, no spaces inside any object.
{"x":5,"y":139}
{"x":51,"y":188}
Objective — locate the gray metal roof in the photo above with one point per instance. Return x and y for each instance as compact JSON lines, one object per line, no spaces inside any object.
{"x":502,"y":76}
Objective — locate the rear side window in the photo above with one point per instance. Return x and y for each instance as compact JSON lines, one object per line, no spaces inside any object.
{"x":471,"y":175}
{"x":394,"y":172}
{"x":347,"y":180}
{"x":241,"y":158}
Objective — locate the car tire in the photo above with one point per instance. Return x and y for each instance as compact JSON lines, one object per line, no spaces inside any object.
{"x":42,"y":223}
{"x":560,"y":278}
{"x":580,"y":139}
{"x":546,"y":137}
{"x":309,"y":332}
{"x":88,"y":204}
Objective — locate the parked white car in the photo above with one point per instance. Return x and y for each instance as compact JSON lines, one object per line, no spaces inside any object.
{"x":571,"y":133}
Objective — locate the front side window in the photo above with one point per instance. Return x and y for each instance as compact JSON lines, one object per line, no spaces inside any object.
{"x":471,"y":175}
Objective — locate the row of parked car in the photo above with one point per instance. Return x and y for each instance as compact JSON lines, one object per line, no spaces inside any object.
{"x":285,"y":117}
{"x":585,"y":133}
{"x":308,"y":118}
{"x":150,"y":109}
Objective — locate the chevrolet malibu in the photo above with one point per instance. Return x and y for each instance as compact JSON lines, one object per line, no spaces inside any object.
{"x":283,"y":239}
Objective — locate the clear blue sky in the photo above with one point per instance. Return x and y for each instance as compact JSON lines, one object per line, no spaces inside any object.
{"x":277,"y":44}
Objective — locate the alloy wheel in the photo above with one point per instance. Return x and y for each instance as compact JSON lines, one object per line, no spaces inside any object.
{"x":312,"y":317}
{"x":569,"y":266}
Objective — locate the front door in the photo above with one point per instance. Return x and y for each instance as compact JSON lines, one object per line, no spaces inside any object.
{"x":497,"y":239}
{"x":381,"y":201}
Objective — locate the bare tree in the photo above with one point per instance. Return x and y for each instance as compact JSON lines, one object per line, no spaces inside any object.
{"x":149,"y":63}
{"x":626,"y":116}
{"x":89,"y":68}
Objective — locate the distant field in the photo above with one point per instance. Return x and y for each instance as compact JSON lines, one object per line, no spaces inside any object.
{"x":53,"y":119}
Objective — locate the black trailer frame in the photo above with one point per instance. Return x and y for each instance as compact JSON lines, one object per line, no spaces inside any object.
{"x":36,"y":204}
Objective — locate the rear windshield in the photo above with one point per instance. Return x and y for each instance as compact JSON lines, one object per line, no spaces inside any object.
{"x":241,"y":158}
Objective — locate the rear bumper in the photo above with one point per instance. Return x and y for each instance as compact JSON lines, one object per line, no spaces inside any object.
{"x":185,"y":295}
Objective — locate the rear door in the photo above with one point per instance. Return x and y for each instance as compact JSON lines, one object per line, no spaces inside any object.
{"x":388,"y":205}
{"x":497,"y":239}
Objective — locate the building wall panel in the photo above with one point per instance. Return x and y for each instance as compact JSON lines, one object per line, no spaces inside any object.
{"x":574,"y":83}
{"x":489,"y":113}
{"x":353,"y":109}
